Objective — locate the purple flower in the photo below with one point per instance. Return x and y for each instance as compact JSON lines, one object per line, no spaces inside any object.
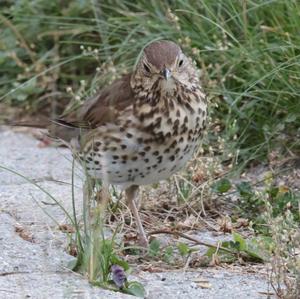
{"x":118,"y":275}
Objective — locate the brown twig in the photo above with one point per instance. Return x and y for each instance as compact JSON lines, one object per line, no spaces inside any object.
{"x":182,"y":235}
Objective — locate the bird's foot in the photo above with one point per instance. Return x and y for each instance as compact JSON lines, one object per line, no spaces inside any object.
{"x":143,"y":241}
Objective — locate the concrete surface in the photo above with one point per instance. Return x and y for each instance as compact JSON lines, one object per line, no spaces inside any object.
{"x":32,"y":250}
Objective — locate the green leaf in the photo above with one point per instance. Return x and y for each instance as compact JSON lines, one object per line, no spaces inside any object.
{"x":154,"y":248}
{"x":240,"y":240}
{"x":72,"y":265}
{"x":135,"y":288}
{"x":76,"y":264}
{"x":245,"y":189}
{"x":115,"y":260}
{"x":184,"y":249}
{"x":221,"y":186}
{"x":168,"y":254}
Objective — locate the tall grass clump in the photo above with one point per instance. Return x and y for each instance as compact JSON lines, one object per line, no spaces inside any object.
{"x":248,"y":52}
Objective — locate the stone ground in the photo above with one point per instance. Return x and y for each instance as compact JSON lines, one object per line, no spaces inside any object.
{"x":32,"y":249}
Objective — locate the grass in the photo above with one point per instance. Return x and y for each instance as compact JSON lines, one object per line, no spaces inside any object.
{"x":248,"y":52}
{"x":55,"y":55}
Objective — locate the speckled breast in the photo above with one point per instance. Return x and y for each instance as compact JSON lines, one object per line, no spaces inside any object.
{"x":147,"y":146}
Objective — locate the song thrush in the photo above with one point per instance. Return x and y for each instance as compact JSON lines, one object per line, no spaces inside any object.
{"x":143,"y":127}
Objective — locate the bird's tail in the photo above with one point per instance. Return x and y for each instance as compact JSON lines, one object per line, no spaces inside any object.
{"x":57,"y":129}
{"x":37,"y":125}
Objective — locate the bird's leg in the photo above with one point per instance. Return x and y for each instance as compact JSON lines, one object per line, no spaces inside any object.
{"x":131,"y":194}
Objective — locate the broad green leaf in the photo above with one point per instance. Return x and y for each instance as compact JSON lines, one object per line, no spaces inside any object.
{"x":184,"y":249}
{"x":245,"y":189}
{"x":154,"y":248}
{"x":239,"y":239}
{"x":135,"y":288}
{"x":221,"y":186}
{"x":115,"y":260}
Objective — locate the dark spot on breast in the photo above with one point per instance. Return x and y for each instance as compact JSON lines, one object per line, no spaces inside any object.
{"x":184,"y":130}
{"x":98,"y":143}
{"x":171,"y":105}
{"x":122,"y":129}
{"x":115,"y":157}
{"x":169,"y":121}
{"x":142,"y":154}
{"x":146,"y":160}
{"x":140,"y":140}
{"x":113,"y":148}
{"x":174,"y":143}
{"x":123,"y":146}
{"x":154,"y":166}
{"x":156,"y":153}
{"x":179,"y":99}
{"x":158,"y":120}
{"x":129,"y":135}
{"x":134,"y":158}
{"x":159,"y":159}
{"x":148,"y":167}
{"x":173,"y":168}
{"x":96,"y":162}
{"x":189,"y":107}
{"x":172,"y":158}
{"x":177,"y":150}
{"x":178,"y":113}
{"x":167,"y":150}
{"x":168,"y":135}
{"x":147,"y":148}
{"x":176,"y":123}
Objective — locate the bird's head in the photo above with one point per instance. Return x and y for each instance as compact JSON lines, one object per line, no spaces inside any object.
{"x":162,"y":66}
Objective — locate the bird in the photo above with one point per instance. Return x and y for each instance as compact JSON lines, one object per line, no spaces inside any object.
{"x":143,"y":127}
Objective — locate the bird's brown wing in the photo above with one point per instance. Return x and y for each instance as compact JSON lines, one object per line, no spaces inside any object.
{"x":105,"y":107}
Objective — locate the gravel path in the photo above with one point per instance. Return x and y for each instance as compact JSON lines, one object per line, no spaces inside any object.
{"x":32,"y":257}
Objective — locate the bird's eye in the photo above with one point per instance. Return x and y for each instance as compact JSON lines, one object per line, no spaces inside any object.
{"x":180,"y":63}
{"x":146,"y":67}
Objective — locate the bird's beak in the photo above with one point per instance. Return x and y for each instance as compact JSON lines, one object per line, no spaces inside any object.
{"x":166,"y":73}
